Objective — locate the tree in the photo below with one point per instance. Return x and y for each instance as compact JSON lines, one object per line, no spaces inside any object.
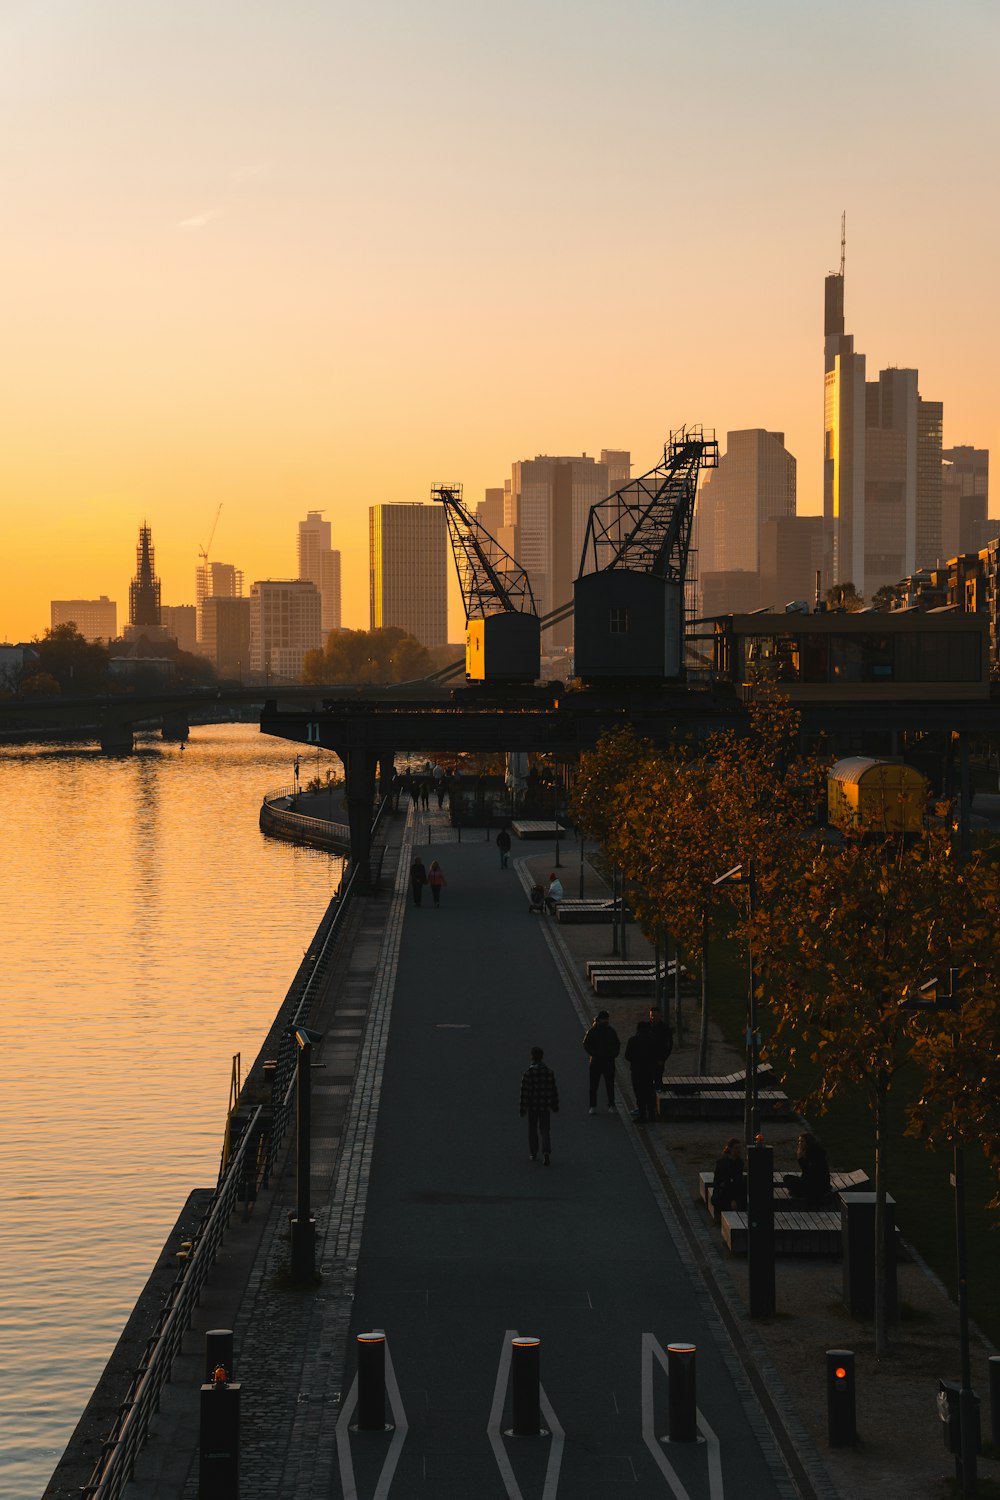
{"x":368,"y":656}
{"x":867,"y":920}
{"x":844,"y":596}
{"x":78,"y":666}
{"x":889,"y":596}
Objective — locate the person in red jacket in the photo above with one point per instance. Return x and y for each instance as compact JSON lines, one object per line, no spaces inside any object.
{"x":436,"y":881}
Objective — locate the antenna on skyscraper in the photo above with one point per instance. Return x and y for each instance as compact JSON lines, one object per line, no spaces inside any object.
{"x":843,"y":240}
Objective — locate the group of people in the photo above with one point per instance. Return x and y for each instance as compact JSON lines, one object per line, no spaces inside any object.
{"x":810,"y":1185}
{"x":419,"y":785}
{"x":421,"y":876}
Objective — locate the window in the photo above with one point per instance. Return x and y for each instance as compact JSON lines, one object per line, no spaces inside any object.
{"x":619,"y":619}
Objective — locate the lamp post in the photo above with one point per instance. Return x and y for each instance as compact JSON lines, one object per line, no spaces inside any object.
{"x":931,"y":996}
{"x":744,"y":875}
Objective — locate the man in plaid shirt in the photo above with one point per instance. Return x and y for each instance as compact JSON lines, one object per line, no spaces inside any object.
{"x":539,"y":1096}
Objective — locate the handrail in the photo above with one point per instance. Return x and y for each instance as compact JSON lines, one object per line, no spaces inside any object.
{"x":115,"y":1467}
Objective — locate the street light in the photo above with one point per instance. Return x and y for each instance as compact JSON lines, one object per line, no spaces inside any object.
{"x":931,"y":996}
{"x":744,"y":875}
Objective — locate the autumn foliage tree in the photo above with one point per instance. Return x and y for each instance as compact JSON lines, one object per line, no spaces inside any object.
{"x":368,"y":656}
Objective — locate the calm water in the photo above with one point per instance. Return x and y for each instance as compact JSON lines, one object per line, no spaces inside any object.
{"x":148,"y":932}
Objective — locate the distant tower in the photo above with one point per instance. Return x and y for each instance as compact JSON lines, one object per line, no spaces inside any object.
{"x":144,"y":590}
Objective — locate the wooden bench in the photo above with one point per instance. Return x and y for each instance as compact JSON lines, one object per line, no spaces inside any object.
{"x":840,"y":1182}
{"x":722,"y":1104}
{"x":578,"y":912}
{"x":629,"y":978}
{"x":629,"y":966}
{"x":815,"y":1232}
{"x":533,"y":830}
{"x":703,"y":1083}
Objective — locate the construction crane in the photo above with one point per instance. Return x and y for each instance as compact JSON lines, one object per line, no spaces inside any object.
{"x":629,"y":596}
{"x":204,"y":551}
{"x":502,"y":631}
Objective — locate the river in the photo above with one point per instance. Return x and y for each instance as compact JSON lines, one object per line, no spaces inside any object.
{"x":149,"y":932}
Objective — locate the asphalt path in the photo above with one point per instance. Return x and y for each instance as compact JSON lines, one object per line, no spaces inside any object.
{"x":468,"y":1242}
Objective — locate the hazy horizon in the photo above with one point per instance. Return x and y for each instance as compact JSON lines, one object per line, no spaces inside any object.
{"x":321,"y":258}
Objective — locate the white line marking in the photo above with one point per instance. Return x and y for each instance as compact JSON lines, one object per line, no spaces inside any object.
{"x":343,"y":1432}
{"x":716,"y":1489}
{"x":555,"y":1451}
{"x":651,"y":1349}
{"x":347,"y":1484}
{"x":496,"y":1416}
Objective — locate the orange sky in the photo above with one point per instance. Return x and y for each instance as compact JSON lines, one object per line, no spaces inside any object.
{"x":298,"y":258}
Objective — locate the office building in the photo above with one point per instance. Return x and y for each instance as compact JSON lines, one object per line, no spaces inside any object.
{"x":408,"y":570}
{"x":179,"y":624}
{"x":215,"y":581}
{"x":490,"y":511}
{"x":754,"y":483}
{"x":95,"y":619}
{"x":320,"y":564}
{"x":791,"y":556}
{"x":226,"y":636}
{"x":965,"y":485}
{"x":882,"y":463}
{"x":285,"y":622}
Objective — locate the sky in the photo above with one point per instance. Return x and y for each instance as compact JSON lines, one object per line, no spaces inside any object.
{"x":326,"y":255}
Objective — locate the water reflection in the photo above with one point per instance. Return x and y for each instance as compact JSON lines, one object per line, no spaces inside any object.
{"x":149,"y":932}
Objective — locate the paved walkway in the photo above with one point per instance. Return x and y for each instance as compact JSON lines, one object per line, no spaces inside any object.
{"x":434,"y":1225}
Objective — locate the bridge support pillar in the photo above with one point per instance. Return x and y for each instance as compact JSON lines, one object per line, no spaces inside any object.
{"x":386,"y":771}
{"x":359,"y":777}
{"x":117,"y":739}
{"x":175,"y":727}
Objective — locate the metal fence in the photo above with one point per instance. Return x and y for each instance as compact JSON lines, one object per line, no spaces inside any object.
{"x":116,"y":1464}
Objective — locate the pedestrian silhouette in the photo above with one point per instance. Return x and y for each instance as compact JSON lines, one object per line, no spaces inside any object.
{"x":539,"y":1100}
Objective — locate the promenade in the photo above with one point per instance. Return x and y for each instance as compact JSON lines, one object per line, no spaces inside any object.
{"x":434,"y":1225}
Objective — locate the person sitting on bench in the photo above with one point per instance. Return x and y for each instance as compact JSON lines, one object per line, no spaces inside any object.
{"x":554,"y":894}
{"x":729,"y":1188}
{"x":811,"y":1184}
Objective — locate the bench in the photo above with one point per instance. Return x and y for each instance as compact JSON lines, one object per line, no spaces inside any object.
{"x":628,"y":966}
{"x":629,"y":978}
{"x":577,"y":912}
{"x":722,"y":1104}
{"x":532,"y":830}
{"x":841,"y":1182}
{"x":815,"y":1232}
{"x":704,"y":1083}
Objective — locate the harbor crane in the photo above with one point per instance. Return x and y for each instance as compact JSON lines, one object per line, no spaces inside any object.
{"x":502,"y":631}
{"x":628,"y":600}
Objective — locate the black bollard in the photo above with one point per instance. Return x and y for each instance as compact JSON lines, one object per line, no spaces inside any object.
{"x":219,"y":1351}
{"x":760,"y":1230}
{"x":683,"y":1400}
{"x":841,"y":1416}
{"x":994,"y":1363}
{"x":524,"y":1386}
{"x":371,"y":1381}
{"x":219,"y":1442}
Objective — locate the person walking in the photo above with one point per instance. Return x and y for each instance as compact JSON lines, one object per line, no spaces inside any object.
{"x":539,"y":1100}
{"x":662,"y":1038}
{"x":502,"y":842}
{"x":425,"y":794}
{"x":436,"y":881}
{"x":639,"y":1056}
{"x":602,"y":1046}
{"x":418,"y":879}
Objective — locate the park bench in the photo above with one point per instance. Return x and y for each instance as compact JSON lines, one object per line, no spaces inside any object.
{"x":704,"y":1083}
{"x":806,"y":1232}
{"x":536,"y":830}
{"x":574,"y":912}
{"x":722,"y":1104}
{"x":612,"y":977}
{"x":840,"y":1182}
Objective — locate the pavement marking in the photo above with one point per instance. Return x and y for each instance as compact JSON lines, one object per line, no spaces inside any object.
{"x":554,"y":1463}
{"x":343,"y":1431}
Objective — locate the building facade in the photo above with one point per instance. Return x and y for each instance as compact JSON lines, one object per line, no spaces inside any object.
{"x":408,"y":570}
{"x":319,"y":562}
{"x":226,"y":636}
{"x":179,"y":624}
{"x":965,"y":491}
{"x":215,"y":581}
{"x":95,"y":619}
{"x":285,"y":622}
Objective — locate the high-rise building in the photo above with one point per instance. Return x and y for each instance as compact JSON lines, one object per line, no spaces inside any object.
{"x":285,"y":623}
{"x":144,"y":592}
{"x":490,"y":511}
{"x":320,"y":564}
{"x":791,"y":555}
{"x":754,"y":483}
{"x":408,"y":567}
{"x":95,"y":619}
{"x":226,"y":635}
{"x":965,"y":486}
{"x":215,"y":581}
{"x":882,"y":464}
{"x":549,"y":505}
{"x":179,"y":624}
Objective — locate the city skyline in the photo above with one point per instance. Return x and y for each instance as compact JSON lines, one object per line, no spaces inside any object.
{"x":193,"y":318}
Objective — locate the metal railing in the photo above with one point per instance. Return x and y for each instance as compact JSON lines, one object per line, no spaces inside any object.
{"x":316,"y":830}
{"x":116,"y":1464}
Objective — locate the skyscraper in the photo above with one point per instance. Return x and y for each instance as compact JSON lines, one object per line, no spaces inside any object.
{"x":408,"y":569}
{"x":754,"y":483}
{"x":285,"y":623}
{"x":215,"y":581}
{"x":320,"y":564}
{"x":965,"y":484}
{"x":882,"y":464}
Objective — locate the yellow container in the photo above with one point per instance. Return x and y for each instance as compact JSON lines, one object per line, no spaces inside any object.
{"x":875,"y":796}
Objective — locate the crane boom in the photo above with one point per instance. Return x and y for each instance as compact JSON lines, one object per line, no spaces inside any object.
{"x":492,"y":582}
{"x":204,"y":551}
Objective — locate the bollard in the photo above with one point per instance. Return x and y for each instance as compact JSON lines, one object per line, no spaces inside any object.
{"x":524,"y":1386}
{"x":371,"y":1381}
{"x":841,"y":1418}
{"x":218,"y":1351}
{"x":219,"y":1442}
{"x":994,"y":1363}
{"x":683,"y":1402}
